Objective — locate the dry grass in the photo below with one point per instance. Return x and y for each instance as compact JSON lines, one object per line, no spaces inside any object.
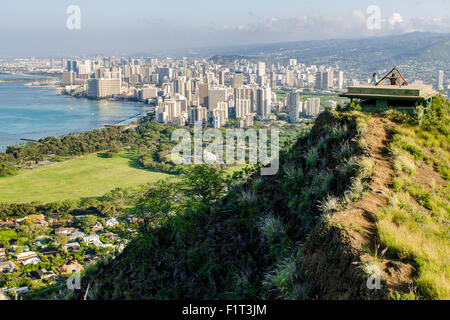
{"x":414,"y":224}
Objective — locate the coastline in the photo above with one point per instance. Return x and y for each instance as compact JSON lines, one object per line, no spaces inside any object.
{"x":140,"y":112}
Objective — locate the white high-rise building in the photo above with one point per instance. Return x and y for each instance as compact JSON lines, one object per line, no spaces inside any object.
{"x":242,"y":101}
{"x":172,"y":110}
{"x":261,"y":68}
{"x":105,"y":87}
{"x":441,"y":80}
{"x":295,"y":107}
{"x":220,"y":115}
{"x":312,"y":107}
{"x":341,"y":80}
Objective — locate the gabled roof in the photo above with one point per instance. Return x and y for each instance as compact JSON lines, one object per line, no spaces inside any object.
{"x":398,"y":74}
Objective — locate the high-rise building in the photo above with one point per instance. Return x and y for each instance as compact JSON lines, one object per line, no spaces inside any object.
{"x":165,"y":72}
{"x":242,"y":101}
{"x":261,"y":68}
{"x":179,"y":86}
{"x":198,"y":114}
{"x":148,"y":93}
{"x":341,"y":80}
{"x":290,"y":78}
{"x":312,"y":107}
{"x":328,"y":78}
{"x":264,"y":102}
{"x":220,"y":115}
{"x":102,"y":88}
{"x":215,"y":96}
{"x":172,"y":110}
{"x":203,"y":91}
{"x":292,"y":62}
{"x":295,"y":107}
{"x":238,"y":80}
{"x":441,"y":80}
{"x":68,"y":77}
{"x":222,"y":77}
{"x":72,"y":66}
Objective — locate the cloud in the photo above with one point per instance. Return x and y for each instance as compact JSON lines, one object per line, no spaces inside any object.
{"x":305,"y":27}
{"x":395,"y":18}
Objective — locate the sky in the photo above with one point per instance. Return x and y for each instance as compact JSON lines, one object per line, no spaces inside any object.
{"x":39,"y":28}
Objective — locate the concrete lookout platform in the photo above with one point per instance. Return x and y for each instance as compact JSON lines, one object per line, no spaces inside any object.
{"x":384,"y":96}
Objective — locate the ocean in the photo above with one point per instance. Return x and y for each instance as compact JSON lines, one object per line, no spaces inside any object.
{"x":37,"y":112}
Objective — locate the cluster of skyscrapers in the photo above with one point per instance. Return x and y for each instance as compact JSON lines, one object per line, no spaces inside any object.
{"x":184,"y":92}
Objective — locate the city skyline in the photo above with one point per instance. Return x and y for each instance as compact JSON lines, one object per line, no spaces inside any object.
{"x":118,"y":28}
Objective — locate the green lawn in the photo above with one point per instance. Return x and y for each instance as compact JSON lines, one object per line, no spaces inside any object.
{"x":90,"y":176}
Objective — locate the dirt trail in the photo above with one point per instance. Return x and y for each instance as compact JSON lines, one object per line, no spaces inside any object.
{"x":334,"y":256}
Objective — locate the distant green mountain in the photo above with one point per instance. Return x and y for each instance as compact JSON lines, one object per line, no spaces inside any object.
{"x":366,"y":53}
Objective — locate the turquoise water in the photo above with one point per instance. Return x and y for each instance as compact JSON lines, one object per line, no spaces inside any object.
{"x":34,"y":113}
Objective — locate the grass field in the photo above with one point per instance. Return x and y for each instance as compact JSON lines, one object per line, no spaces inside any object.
{"x":84,"y":177}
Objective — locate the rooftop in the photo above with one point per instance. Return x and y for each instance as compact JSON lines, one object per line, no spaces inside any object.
{"x":415,"y":91}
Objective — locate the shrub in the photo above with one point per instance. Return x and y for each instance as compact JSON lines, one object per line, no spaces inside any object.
{"x":272,"y":228}
{"x":396,"y":116}
{"x":7,"y":170}
{"x":330,"y":204}
{"x":366,"y":168}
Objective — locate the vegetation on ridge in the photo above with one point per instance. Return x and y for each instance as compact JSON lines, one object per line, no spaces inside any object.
{"x":415,"y":223}
{"x":242,"y":239}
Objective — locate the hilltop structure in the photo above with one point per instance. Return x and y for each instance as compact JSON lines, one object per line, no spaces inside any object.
{"x":396,"y":93}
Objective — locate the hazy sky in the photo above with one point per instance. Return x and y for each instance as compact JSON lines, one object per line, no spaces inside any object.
{"x":38,"y":27}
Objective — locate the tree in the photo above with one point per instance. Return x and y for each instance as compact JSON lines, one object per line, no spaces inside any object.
{"x":61,"y":239}
{"x":107,"y":209}
{"x":7,"y":170}
{"x":156,"y":205}
{"x":88,"y":221}
{"x":204,"y":183}
{"x":6,"y":236}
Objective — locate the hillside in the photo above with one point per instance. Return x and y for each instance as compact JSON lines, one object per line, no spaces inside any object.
{"x":359,"y":192}
{"x":366,"y":54}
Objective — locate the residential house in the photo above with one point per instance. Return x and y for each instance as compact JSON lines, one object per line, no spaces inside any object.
{"x":111,"y":222}
{"x":43,"y":274}
{"x":7,"y":267}
{"x":73,"y":246}
{"x":9,"y":223}
{"x":70,"y":268}
{"x":98,"y":227}
{"x":31,"y":261}
{"x":111,"y":236}
{"x":65,"y":230}
{"x":25,"y":256}
{"x":75,"y":235}
{"x":93,"y":239}
{"x":2,"y":252}
{"x":17,"y":291}
{"x":38,"y":219}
